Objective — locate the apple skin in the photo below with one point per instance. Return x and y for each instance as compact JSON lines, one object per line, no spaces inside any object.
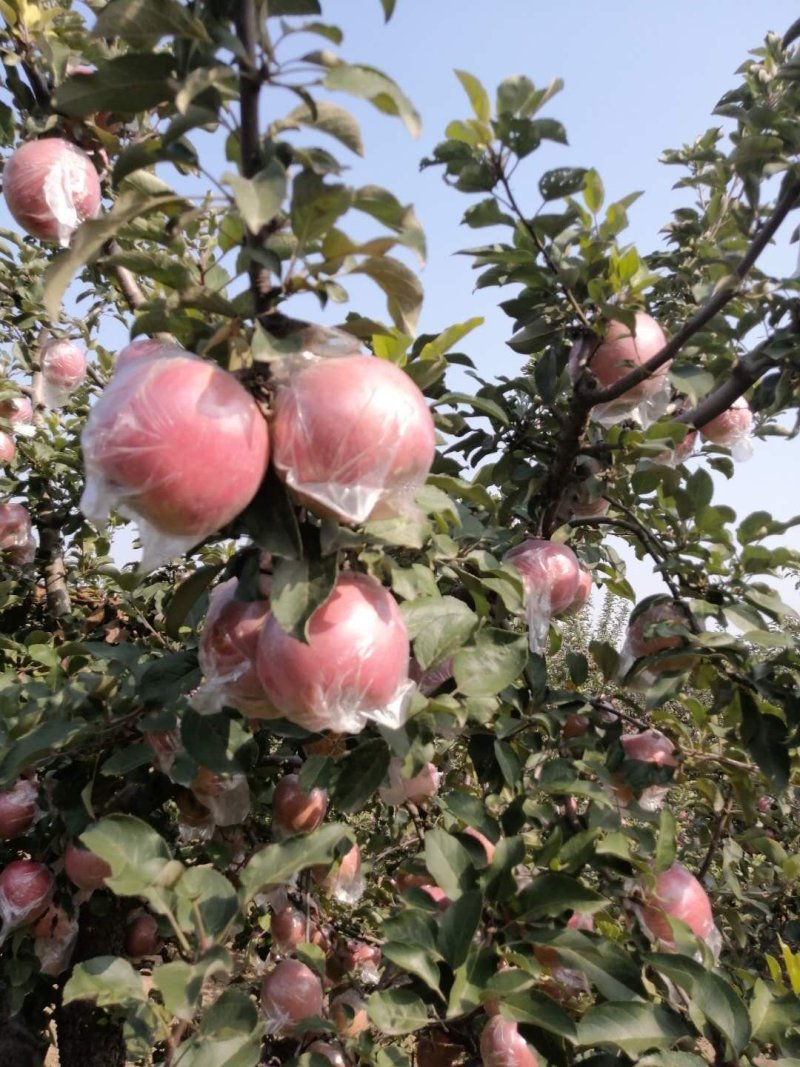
{"x":349,"y":1014}
{"x":352,"y":437}
{"x":290,"y":993}
{"x":332,"y":1054}
{"x":84,"y":869}
{"x":26,"y":889}
{"x":639,"y":645}
{"x":63,"y":369}
{"x":8,"y":449}
{"x":343,"y":881}
{"x":51,"y":187}
{"x":415,"y":790}
{"x":502,"y":1045}
{"x":676,"y":894}
{"x":295,"y":811}
{"x":18,"y":809}
{"x":141,"y":937}
{"x":622,"y":351}
{"x":731,"y":426}
{"x":16,"y":533}
{"x":550,"y":572}
{"x":18,"y":410}
{"x":159,"y":443}
{"x":354,"y":667}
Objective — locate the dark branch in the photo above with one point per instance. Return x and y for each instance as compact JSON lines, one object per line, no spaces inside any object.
{"x":745,"y":373}
{"x":712,"y":307}
{"x":716,"y":837}
{"x":128,"y":285}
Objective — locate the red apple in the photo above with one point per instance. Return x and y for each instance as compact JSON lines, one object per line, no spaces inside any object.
{"x":353,"y":437}
{"x":583,"y":594}
{"x":502,"y":1045}
{"x":640,"y":642}
{"x":622,"y":351}
{"x":146,"y":348}
{"x":731,"y":427}
{"x":26,"y":888}
{"x":290,"y":993}
{"x":550,"y":573}
{"x":417,"y":789}
{"x":227,"y":654}
{"x":227,"y":798}
{"x":84,"y":869}
{"x":354,"y":667}
{"x":295,"y":811}
{"x":18,"y":809}
{"x":55,"y":934}
{"x":288,"y":929}
{"x":141,"y":938}
{"x":177,"y":442}
{"x":344,"y":881}
{"x":7,"y":449}
{"x":650,"y":746}
{"x":355,"y":957}
{"x":16,"y":533}
{"x":18,"y":410}
{"x":349,"y":1014}
{"x":575,"y":725}
{"x":63,"y":370}
{"x":51,"y":187}
{"x":676,"y":894}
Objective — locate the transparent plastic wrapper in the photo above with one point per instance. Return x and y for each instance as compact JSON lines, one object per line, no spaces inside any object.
{"x":344,"y":881}
{"x":166,"y":745}
{"x":583,"y":595}
{"x":352,"y":436}
{"x":649,"y":746}
{"x":55,"y":934}
{"x":51,"y":187}
{"x":417,"y":789}
{"x":677,"y":894}
{"x":657,"y":625}
{"x":551,"y":579}
{"x":296,"y":810}
{"x":17,"y":542}
{"x":732,"y":429}
{"x":63,"y":370}
{"x":290,"y":994}
{"x":19,"y":809}
{"x":354,"y":668}
{"x":8,"y":449}
{"x":502,"y":1045}
{"x":620,"y":352}
{"x":228,"y":799}
{"x":358,"y":958}
{"x":227,"y":655}
{"x":26,"y":889}
{"x":19,"y":412}
{"x":177,"y":444}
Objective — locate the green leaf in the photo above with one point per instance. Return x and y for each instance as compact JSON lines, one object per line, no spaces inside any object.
{"x":142,"y":23}
{"x":181,"y":983}
{"x":331,"y":119}
{"x":561,"y":182}
{"x":710,"y":994}
{"x":169,"y":677}
{"x":136,"y":853}
{"x":388,"y":8}
{"x":449,"y":863}
{"x":666,"y":849}
{"x":42,"y":741}
{"x":90,"y":238}
{"x":415,"y":960}
{"x":593,"y":192}
{"x":271,"y":520}
{"x":483,"y":405}
{"x":109,"y":981}
{"x":186,"y":596}
{"x":401,"y":286}
{"x":438,"y":626}
{"x":550,"y":895}
{"x":259,"y":198}
{"x":486,"y":213}
{"x":380,"y":90}
{"x":276,"y":864}
{"x":316,"y":205}
{"x":478,"y":96}
{"x":127,"y":84}
{"x":397,"y":1011}
{"x":497,"y":659}
{"x":127,"y":759}
{"x":207,"y":902}
{"x":382,"y":205}
{"x":634,"y":1028}
{"x":470,"y":981}
{"x":457,"y":927}
{"x":299,"y":587}
{"x":537,"y":1009}
{"x":359,"y":774}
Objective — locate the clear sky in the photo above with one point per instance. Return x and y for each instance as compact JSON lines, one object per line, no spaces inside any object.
{"x":639,"y":77}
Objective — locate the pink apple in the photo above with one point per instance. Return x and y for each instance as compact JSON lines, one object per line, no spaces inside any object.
{"x":295,"y":811}
{"x":417,"y":789}
{"x":622,"y":351}
{"x":290,"y":993}
{"x":354,"y":667}
{"x":63,"y":370}
{"x":502,"y":1045}
{"x":51,"y":187}
{"x":676,"y":894}
{"x":16,"y":533}
{"x":640,"y":642}
{"x":18,"y":809}
{"x":84,"y":869}
{"x":731,"y":426}
{"x":353,"y":437}
{"x":550,"y":572}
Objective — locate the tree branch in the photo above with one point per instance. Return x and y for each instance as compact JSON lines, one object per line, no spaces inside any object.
{"x":745,"y":373}
{"x":716,"y":836}
{"x":128,"y":285}
{"x":642,"y":535}
{"x":786,"y":201}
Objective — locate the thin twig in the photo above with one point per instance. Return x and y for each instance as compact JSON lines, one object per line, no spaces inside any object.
{"x":716,"y":836}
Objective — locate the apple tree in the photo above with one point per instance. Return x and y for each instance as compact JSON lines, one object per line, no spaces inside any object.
{"x":347,"y":770}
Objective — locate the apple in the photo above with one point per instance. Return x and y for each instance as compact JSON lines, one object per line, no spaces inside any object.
{"x":141,"y":937}
{"x":731,"y":427}
{"x":288,"y":929}
{"x":415,"y":790}
{"x":227,"y":798}
{"x":550,"y":575}
{"x":349,"y":1014}
{"x":63,"y":370}
{"x":18,"y":410}
{"x":177,"y":443}
{"x":18,"y":809}
{"x":621,"y":351}
{"x":502,"y":1045}
{"x":26,"y":889}
{"x":354,"y":667}
{"x":55,"y":934}
{"x":583,"y":594}
{"x":16,"y":533}
{"x":575,"y":725}
{"x":166,"y":745}
{"x":7,"y":449}
{"x":227,"y":654}
{"x":487,"y":845}
{"x":640,"y":642}
{"x":355,"y":957}
{"x":146,"y":348}
{"x":676,"y":894}
{"x":353,"y":437}
{"x":649,"y":746}
{"x":344,"y":881}
{"x":295,"y":811}
{"x":51,"y":187}
{"x":290,"y":993}
{"x":84,"y":869}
